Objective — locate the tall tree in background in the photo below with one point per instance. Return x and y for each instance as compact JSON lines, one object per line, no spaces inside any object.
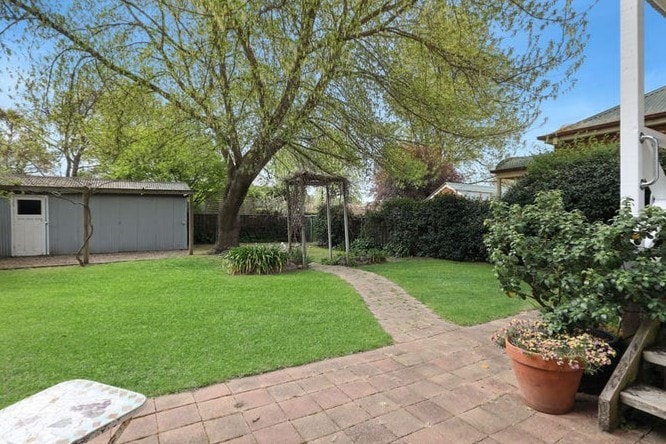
{"x":22,"y":150}
{"x":351,"y":78}
{"x":420,"y":172}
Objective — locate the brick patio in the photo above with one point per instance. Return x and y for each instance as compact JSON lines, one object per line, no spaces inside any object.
{"x":438,"y":383}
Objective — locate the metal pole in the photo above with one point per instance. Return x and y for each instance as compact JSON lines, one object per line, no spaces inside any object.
{"x":346,"y":218}
{"x":328,"y":223}
{"x":632,"y":108}
{"x":190,"y":220}
{"x":288,"y":219}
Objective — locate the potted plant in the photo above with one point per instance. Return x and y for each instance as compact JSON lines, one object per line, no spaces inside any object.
{"x":579,"y":274}
{"x":548,"y":367}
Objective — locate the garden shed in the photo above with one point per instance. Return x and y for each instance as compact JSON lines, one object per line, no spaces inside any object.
{"x":42,"y":215}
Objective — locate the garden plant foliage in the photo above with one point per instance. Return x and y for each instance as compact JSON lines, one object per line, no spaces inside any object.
{"x":446,"y":227}
{"x":579,"y":273}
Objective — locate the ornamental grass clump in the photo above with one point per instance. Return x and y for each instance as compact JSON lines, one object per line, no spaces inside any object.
{"x":577,"y":349}
{"x":255,"y":259}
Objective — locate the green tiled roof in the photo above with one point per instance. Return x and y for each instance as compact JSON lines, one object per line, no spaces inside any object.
{"x":512,"y":163}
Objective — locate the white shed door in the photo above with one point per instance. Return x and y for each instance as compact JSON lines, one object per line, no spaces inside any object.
{"x":29,"y":225}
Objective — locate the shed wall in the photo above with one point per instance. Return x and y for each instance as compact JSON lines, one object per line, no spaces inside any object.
{"x":138,"y":223}
{"x":65,"y":224}
{"x":5,"y":227}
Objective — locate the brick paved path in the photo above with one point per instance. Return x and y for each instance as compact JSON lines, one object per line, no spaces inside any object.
{"x":438,"y":383}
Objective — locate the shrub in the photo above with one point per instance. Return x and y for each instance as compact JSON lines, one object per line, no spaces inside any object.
{"x":580,"y":273}
{"x":255,"y":259}
{"x":446,"y":227}
{"x":320,"y":226}
{"x":588,"y":177}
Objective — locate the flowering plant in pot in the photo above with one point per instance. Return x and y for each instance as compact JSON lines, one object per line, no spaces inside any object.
{"x":548,"y":367}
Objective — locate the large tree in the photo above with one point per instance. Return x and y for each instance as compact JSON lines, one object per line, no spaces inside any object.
{"x":349,"y":77}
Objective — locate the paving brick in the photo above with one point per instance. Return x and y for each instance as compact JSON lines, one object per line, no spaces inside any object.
{"x":274,"y":378}
{"x":216,"y":408}
{"x":191,"y":434}
{"x":299,"y":407}
{"x":426,"y":388}
{"x":347,"y":415}
{"x":387,"y":365}
{"x":370,"y":432}
{"x":358,"y":389}
{"x":384,"y":382}
{"x":140,"y":428}
{"x":283,"y":433}
{"x":485,"y":421}
{"x":245,"y":439}
{"x":516,"y":436}
{"x":147,"y":440}
{"x":211,"y":392}
{"x":315,"y":383}
{"x":401,"y":422}
{"x":330,"y":397}
{"x":285,"y":391}
{"x":457,"y":431}
{"x":377,"y":404}
{"x":314,"y":426}
{"x":178,"y":417}
{"x":336,"y":438}
{"x":461,"y":399}
{"x":253,"y":399}
{"x":341,"y":376}
{"x":241,"y":385}
{"x":404,"y":396}
{"x":171,"y":401}
{"x":423,"y":436}
{"x":148,"y":408}
{"x":429,"y":412}
{"x":265,"y":416}
{"x":226,"y":428}
{"x":364,"y":370}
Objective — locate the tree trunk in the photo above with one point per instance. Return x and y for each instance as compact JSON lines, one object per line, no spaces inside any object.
{"x":228,"y":217}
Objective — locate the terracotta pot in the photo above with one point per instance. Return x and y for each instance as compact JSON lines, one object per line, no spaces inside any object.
{"x":545,"y":385}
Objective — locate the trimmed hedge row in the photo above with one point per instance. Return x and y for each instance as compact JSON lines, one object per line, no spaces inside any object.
{"x":589,"y":178}
{"x":446,"y":227}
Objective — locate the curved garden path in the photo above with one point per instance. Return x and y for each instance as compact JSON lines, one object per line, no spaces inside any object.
{"x":438,"y":383}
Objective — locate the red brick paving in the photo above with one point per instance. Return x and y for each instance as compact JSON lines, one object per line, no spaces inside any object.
{"x":438,"y":383}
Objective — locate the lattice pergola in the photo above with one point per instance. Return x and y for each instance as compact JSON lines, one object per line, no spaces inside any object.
{"x":296,"y":191}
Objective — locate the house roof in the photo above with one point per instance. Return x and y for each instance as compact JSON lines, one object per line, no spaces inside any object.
{"x":655,"y":106}
{"x":465,"y":189}
{"x":512,"y":163}
{"x":55,"y":183}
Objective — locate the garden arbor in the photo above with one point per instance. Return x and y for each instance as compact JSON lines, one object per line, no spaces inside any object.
{"x":296,"y":190}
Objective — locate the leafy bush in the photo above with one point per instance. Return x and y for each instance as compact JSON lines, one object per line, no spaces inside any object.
{"x":320,"y":226}
{"x":589,"y":178}
{"x":255,"y":259}
{"x":357,"y":257}
{"x":446,"y":227}
{"x":580,"y":273}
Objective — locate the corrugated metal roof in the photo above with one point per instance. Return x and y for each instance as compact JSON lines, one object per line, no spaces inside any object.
{"x":466,"y":190}
{"x":106,"y":185}
{"x":655,"y":103}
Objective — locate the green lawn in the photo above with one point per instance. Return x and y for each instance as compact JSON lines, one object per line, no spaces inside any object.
{"x":167,"y":325}
{"x":461,"y":292}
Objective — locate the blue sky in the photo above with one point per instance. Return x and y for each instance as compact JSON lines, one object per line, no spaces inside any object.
{"x":598,"y":80}
{"x":597,"y":84}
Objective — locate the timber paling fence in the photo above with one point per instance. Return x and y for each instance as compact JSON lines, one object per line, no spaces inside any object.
{"x":254,"y":228}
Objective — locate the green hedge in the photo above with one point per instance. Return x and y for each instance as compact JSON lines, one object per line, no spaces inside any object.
{"x":447,"y":227}
{"x":589,"y":178}
{"x":320,"y":226}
